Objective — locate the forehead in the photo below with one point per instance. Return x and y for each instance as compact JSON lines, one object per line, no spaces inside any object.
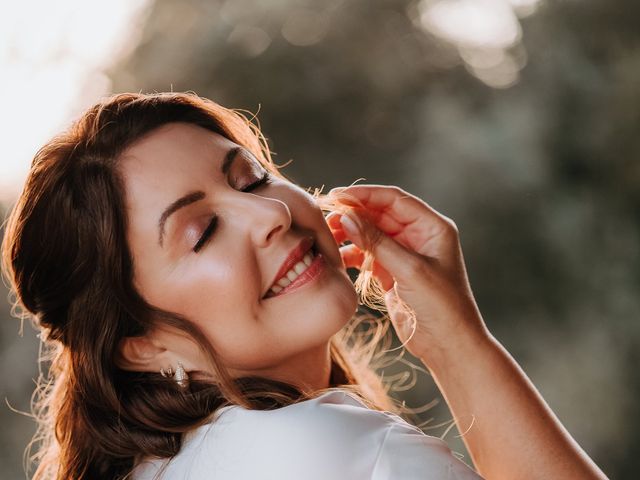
{"x":169,"y":161}
{"x":172,"y":148}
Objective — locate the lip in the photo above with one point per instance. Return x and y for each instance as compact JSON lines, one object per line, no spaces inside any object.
{"x":312,"y":272}
{"x":294,"y":257}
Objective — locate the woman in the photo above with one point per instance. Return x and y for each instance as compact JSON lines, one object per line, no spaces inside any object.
{"x":193,"y":300}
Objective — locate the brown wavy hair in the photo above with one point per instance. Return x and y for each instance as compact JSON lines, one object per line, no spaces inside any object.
{"x":65,"y":255}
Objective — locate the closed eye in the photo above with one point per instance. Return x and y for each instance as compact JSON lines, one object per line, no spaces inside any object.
{"x":206,"y":234}
{"x":266,"y":178}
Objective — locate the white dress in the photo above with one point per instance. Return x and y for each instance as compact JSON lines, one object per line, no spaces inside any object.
{"x":331,"y":437}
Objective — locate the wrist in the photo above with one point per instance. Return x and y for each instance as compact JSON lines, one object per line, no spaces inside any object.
{"x":460,"y":347}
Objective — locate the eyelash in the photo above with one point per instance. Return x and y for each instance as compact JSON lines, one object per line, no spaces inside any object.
{"x":265,"y":179}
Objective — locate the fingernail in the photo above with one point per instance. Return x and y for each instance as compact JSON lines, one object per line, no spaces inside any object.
{"x":349,"y":226}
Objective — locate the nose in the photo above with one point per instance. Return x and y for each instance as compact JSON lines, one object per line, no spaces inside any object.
{"x":266,"y":218}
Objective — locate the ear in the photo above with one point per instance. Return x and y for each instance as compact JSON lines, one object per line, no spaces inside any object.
{"x":141,"y":354}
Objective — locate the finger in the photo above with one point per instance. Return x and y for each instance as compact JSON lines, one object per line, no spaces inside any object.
{"x":384,"y":277}
{"x":353,"y":257}
{"x":400,"y":207}
{"x":396,"y":259}
{"x":391,"y":198}
{"x":333,"y":221}
{"x":383,"y":221}
{"x":409,"y":221}
{"x":400,"y":317}
{"x":339,"y":236}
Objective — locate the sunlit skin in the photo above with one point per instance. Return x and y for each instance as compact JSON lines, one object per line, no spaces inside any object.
{"x":220,"y":287}
{"x":419,"y":260}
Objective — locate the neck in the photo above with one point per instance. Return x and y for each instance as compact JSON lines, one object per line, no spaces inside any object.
{"x":309,"y":371}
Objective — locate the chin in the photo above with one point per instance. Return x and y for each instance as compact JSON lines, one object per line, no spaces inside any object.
{"x":327,"y":314}
{"x":343,"y":304}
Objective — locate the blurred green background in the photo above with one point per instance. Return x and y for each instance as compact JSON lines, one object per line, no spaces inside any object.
{"x":518,"y":119}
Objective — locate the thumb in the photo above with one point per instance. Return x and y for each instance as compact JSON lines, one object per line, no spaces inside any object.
{"x":403,"y":319}
{"x":399,"y":261}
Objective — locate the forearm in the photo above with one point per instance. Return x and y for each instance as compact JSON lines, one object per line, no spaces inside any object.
{"x":420,"y":266}
{"x":509,"y":430}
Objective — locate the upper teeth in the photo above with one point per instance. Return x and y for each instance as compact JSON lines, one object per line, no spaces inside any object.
{"x":292,"y":274}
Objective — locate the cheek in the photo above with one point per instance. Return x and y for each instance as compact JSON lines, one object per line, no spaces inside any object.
{"x":305,"y":211}
{"x":325,"y":238}
{"x":207,"y":290}
{"x":218,"y":287}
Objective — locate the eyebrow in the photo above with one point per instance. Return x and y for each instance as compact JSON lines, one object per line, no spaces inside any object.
{"x":195,"y":196}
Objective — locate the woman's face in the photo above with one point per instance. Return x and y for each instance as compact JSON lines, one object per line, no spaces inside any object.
{"x":216,"y":273}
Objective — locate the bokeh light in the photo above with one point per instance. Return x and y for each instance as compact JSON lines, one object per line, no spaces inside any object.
{"x":51,"y":56}
{"x":516,"y":118}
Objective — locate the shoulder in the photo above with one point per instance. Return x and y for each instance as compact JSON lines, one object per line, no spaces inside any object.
{"x":336,"y":415}
{"x":331,"y":436}
{"x":406,"y":452}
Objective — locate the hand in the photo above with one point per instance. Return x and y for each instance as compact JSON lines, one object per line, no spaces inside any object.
{"x":418,"y":259}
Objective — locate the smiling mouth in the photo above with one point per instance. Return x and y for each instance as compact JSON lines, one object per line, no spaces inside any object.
{"x":297,"y":274}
